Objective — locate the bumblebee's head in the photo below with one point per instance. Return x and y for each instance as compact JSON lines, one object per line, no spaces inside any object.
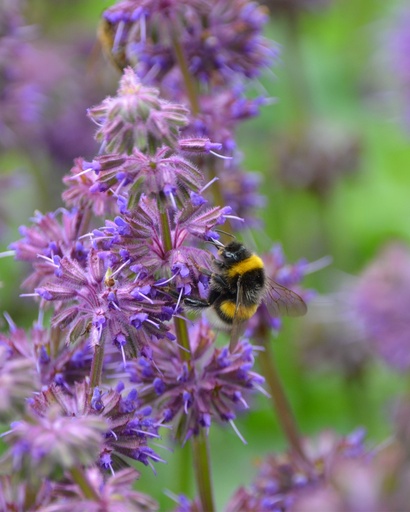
{"x":234,"y":252}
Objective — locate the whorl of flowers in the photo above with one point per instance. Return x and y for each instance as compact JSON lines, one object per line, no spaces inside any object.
{"x":221,"y":40}
{"x":282,"y":484}
{"x":380,"y":302}
{"x":135,"y":116}
{"x":214,"y":385}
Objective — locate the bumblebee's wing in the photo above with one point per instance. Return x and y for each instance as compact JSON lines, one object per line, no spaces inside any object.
{"x":237,"y":324}
{"x":282,"y":301}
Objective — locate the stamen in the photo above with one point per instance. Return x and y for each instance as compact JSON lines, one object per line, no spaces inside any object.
{"x":208,"y":184}
{"x":179,"y":300}
{"x":124,"y":361}
{"x":80,"y":174}
{"x":7,"y":253}
{"x":173,"y":203}
{"x":220,"y":156}
{"x":48,"y":260}
{"x":40,"y":318}
{"x":118,"y":36}
{"x":91,"y":235}
{"x":152,"y":322}
{"x":237,"y":432}
{"x":161,"y":283}
{"x":143,"y":28}
{"x":261,"y":390}
{"x":120,"y":268}
{"x":146,"y":298}
{"x":243,"y":402}
{"x":152,"y":467}
{"x":314,"y":266}
{"x":12,"y":325}
{"x":234,"y":217}
{"x":138,"y":431}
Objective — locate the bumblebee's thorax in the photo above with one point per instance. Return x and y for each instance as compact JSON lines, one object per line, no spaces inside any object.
{"x":253,"y":262}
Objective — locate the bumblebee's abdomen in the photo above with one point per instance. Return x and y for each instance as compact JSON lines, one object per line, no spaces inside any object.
{"x":226,"y":311}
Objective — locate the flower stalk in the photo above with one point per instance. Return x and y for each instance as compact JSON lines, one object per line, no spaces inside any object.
{"x":202,"y":467}
{"x":80,"y":478}
{"x":282,"y":406}
{"x":97,"y":365}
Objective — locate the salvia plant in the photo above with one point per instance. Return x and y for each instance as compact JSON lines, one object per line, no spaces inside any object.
{"x":114,"y":368}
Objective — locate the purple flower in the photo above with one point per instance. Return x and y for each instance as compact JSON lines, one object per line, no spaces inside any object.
{"x":137,"y":118}
{"x":46,"y":238}
{"x":40,"y":445}
{"x":221,"y":40}
{"x":15,"y":495}
{"x":220,"y":113}
{"x":162,"y":174}
{"x":127,"y":425}
{"x":281,"y":482}
{"x":85,"y":193}
{"x":18,"y":380}
{"x":138,"y":237}
{"x":380,"y":301}
{"x":102,"y":309}
{"x":115,"y":493}
{"x":214,"y":386}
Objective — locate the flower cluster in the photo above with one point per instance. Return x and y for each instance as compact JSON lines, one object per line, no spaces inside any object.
{"x":221,"y":40}
{"x":282,"y":485}
{"x":199,"y":53}
{"x":111,"y":359}
{"x":380,"y":302}
{"x":212,"y":385}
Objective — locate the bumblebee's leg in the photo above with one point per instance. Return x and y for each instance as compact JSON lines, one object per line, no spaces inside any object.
{"x":200,"y":269}
{"x":220,"y":280}
{"x":194,"y":302}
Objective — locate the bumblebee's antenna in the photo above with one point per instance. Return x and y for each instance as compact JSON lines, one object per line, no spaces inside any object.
{"x":225,"y":233}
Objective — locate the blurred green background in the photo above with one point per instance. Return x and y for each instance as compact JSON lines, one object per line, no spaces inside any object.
{"x":332,"y":74}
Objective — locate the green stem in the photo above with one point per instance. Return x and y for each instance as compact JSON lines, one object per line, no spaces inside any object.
{"x":184,"y":470}
{"x":190,"y":85}
{"x":165,"y":229}
{"x":282,"y":406}
{"x":200,"y":447}
{"x":181,"y":330}
{"x":80,"y":478}
{"x":96,"y":365}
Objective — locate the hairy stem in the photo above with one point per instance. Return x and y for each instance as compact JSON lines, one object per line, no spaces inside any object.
{"x":282,"y":406}
{"x":81,"y":480}
{"x":181,"y":330}
{"x":97,"y":365}
{"x":190,"y":84}
{"x":202,"y":466}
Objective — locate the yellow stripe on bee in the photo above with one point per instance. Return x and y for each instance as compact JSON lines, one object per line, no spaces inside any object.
{"x":240,"y":268}
{"x":243,"y":313}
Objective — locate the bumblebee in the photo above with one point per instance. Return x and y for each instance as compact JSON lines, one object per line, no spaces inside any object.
{"x":238,"y":285}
